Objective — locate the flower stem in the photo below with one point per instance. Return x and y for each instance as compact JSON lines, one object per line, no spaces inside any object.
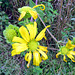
{"x":31,"y":19}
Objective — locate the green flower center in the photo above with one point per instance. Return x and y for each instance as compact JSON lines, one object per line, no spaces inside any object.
{"x":33,"y":45}
{"x":64,"y":50}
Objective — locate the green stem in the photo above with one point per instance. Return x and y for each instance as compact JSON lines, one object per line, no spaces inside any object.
{"x":27,"y":20}
{"x":24,"y":22}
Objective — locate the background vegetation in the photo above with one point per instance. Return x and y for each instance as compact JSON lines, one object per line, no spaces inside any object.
{"x":60,"y":14}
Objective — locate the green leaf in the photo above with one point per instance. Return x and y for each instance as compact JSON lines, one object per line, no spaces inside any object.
{"x":31,"y":3}
{"x":37,"y":70}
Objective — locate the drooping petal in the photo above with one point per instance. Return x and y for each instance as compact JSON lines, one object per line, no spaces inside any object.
{"x":43,"y":48}
{"x":22,"y":15}
{"x":41,"y":34}
{"x":70,"y":56}
{"x":64,"y":58}
{"x":33,"y":14}
{"x":36,"y":58}
{"x":58,"y":54}
{"x":18,"y":39}
{"x":18,"y":48}
{"x":32,"y":29}
{"x":44,"y":56}
{"x":24,"y":33}
{"x":28,"y":58}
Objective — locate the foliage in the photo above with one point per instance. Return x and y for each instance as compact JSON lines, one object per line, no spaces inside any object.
{"x":3,"y":20}
{"x":50,"y":13}
{"x":66,"y":33}
{"x":6,"y":6}
{"x":7,"y":64}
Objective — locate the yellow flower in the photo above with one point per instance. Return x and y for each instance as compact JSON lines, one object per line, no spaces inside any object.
{"x":67,"y":51}
{"x":30,"y":43}
{"x":28,"y":11}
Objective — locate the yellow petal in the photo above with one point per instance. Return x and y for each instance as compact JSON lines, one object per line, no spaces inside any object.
{"x":36,"y":58}
{"x":33,"y":14}
{"x":30,"y":28}
{"x":15,"y":45}
{"x":13,"y":52}
{"x":64,"y":58}
{"x":39,"y":5}
{"x":33,"y":30}
{"x":43,"y":48}
{"x":43,"y":7}
{"x":45,"y":37}
{"x":73,"y":46}
{"x":28,"y":58}
{"x":18,"y":39}
{"x":24,"y":33}
{"x":70,"y":56}
{"x":43,"y":54}
{"x":21,"y":47}
{"x":73,"y":60}
{"x":69,"y":45}
{"x":72,"y":52}
{"x":22,"y":15}
{"x":18,"y":48}
{"x":41,"y":34}
{"x":58,"y":54}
